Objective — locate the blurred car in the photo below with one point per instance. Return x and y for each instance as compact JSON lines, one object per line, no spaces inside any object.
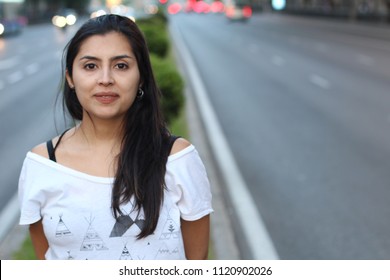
{"x":10,"y":26}
{"x":64,"y":18}
{"x":238,"y":13}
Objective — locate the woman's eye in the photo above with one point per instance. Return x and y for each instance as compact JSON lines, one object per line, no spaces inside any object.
{"x":90,"y":66}
{"x":122,"y":66}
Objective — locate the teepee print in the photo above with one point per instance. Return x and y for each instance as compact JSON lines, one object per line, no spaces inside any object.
{"x":92,"y":240}
{"x":61,"y":229}
{"x":165,"y":253}
{"x":170,"y":230}
{"x":70,"y":257}
{"x":125,"y":254}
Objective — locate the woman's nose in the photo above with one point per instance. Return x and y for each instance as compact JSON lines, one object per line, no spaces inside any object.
{"x":106,"y":78}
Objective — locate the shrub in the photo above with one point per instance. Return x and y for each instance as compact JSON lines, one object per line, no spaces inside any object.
{"x":156,"y":37}
{"x":171,"y":85}
{"x":158,"y":19}
{"x":155,"y":32}
{"x":167,"y":77}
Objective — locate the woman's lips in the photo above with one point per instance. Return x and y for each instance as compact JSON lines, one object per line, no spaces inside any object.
{"x":106,"y":98}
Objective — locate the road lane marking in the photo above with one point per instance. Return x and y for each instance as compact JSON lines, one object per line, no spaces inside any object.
{"x":32,"y":69}
{"x":278,"y":60}
{"x":43,"y":44}
{"x":9,"y":63}
{"x":319,"y":81}
{"x":293,"y":40}
{"x":15,"y":77}
{"x":253,"y":48}
{"x":322,"y":47}
{"x":365,"y":60}
{"x":255,"y":233}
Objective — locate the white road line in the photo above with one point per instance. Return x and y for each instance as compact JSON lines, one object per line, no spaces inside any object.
{"x":365,"y":60}
{"x":9,"y":63}
{"x":248,"y":217}
{"x":15,"y":77}
{"x":278,"y":60}
{"x":32,"y":69}
{"x":321,"y":47}
{"x":253,"y":48}
{"x":58,"y":55}
{"x":43,"y":44}
{"x":320,"y":81}
{"x":293,"y":40}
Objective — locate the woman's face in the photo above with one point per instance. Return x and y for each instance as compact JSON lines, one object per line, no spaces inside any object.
{"x":105,"y":76}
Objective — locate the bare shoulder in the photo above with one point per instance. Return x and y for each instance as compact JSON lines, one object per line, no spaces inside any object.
{"x":41,"y":150}
{"x":179,"y":145}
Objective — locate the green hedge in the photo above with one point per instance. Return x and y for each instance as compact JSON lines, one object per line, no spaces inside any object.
{"x":168,"y":78}
{"x":171,"y":85}
{"x":156,"y":37}
{"x":155,"y":32}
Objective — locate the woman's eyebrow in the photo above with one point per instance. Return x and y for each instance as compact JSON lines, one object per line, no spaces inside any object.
{"x":89,"y":57}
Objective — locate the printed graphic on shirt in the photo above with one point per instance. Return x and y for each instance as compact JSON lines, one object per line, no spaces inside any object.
{"x":62,"y":229}
{"x":125,"y":254}
{"x":170,"y":230}
{"x":124,"y":222}
{"x":165,"y":253}
{"x":92,"y":240}
{"x":70,"y":257}
{"x":129,"y":254}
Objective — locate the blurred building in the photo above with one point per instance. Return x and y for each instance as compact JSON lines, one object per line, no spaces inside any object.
{"x":43,"y":10}
{"x":353,"y":9}
{"x":11,"y":8}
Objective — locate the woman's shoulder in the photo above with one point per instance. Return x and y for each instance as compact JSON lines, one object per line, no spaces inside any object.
{"x":41,"y":150}
{"x":179,"y":145}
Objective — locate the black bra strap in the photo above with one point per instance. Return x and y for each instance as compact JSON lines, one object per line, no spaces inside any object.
{"x":172,"y":140}
{"x":52,"y":150}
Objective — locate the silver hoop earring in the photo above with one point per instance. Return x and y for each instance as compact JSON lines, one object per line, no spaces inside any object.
{"x":140,"y":93}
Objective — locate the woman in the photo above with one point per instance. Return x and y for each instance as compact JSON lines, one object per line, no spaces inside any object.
{"x":117,"y":185}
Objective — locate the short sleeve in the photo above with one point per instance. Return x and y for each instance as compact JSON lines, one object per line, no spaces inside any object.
{"x":30,"y":199}
{"x":188,"y":184}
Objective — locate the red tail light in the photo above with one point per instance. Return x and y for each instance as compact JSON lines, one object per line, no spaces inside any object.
{"x":247,"y":11}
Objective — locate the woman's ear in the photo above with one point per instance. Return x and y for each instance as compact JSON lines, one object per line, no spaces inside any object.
{"x":69,"y":79}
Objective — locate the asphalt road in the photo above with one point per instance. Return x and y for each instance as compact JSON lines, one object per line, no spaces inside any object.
{"x":303,"y":103}
{"x":305,"y":107}
{"x":30,"y":69}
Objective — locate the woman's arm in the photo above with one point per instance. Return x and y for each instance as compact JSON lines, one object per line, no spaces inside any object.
{"x":39,"y":240}
{"x":196,"y":236}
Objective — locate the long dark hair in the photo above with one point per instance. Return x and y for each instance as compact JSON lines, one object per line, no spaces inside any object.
{"x":141,"y":164}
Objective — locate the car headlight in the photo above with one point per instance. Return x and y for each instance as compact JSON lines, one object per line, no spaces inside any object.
{"x":59,"y":21}
{"x":1,"y":29}
{"x":71,"y":19}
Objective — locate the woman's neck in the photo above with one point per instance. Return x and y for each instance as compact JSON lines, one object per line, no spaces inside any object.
{"x":101,"y":132}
